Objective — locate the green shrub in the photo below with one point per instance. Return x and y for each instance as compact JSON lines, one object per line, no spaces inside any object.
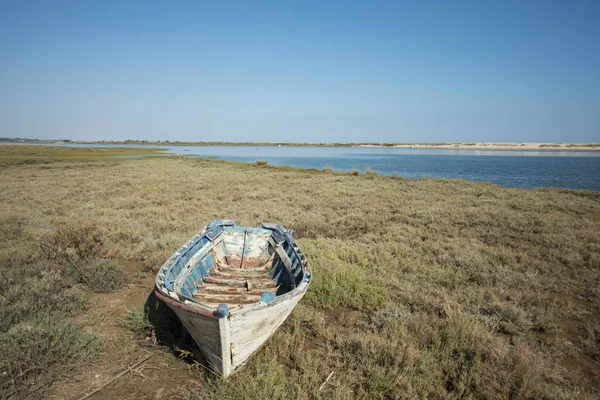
{"x":35,"y":354}
{"x":268,"y":382}
{"x":261,"y":162}
{"x":11,"y":227}
{"x":346,"y":285}
{"x":137,"y":321}
{"x":103,"y":275}
{"x":74,"y":243}
{"x":35,"y":290}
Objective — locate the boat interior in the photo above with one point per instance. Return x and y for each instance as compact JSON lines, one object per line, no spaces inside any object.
{"x":235,"y":265}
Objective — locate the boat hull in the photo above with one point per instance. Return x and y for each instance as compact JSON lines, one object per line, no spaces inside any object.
{"x":232,"y":287}
{"x":228,"y":342}
{"x":250,"y":329}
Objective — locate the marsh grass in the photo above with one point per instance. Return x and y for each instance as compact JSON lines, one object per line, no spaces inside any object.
{"x":35,"y":354}
{"x":38,"y":341}
{"x":137,"y":321}
{"x":36,"y":154}
{"x":371,"y":173}
{"x":80,"y":247}
{"x":422,"y":288}
{"x":102,"y":275}
{"x":73,"y":243}
{"x":35,"y":290}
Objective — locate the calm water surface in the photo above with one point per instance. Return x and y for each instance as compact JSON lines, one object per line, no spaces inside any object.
{"x":515,"y":168}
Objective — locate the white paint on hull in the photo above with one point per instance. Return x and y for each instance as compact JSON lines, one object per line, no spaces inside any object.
{"x":249,"y":330}
{"x":227,"y":343}
{"x":233,"y":258}
{"x":206,"y":333}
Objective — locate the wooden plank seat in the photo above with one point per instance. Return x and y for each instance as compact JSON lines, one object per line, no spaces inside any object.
{"x":243,"y":271}
{"x":227,"y":298}
{"x":241,"y":274}
{"x":218,"y":289}
{"x":235,"y":286}
{"x":258,"y":282}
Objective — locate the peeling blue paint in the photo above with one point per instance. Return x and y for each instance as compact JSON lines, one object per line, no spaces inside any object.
{"x":267,"y":297}
{"x":224,"y":246}
{"x":222,"y":311}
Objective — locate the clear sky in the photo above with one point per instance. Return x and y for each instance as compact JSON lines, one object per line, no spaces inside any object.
{"x":306,"y":71}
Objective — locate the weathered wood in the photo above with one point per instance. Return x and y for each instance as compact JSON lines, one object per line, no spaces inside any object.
{"x":326,"y":380}
{"x":226,"y":298}
{"x":225,"y":254}
{"x":117,"y":376}
{"x":215,"y":305}
{"x":225,"y":345}
{"x":221,"y":289}
{"x":205,"y":332}
{"x":250,"y":329}
{"x":235,"y":274}
{"x":242,"y":273}
{"x":258,"y":282}
{"x":234,"y":270}
{"x":244,"y":248}
{"x":203,"y":251}
{"x":285,"y":259}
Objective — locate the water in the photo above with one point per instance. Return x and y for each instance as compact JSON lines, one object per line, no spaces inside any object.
{"x":515,"y":168}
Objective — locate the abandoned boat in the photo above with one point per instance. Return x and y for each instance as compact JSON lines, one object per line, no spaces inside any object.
{"x":232,"y":287}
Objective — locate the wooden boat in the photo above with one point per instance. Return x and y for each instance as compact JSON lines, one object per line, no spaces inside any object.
{"x":232,"y":287}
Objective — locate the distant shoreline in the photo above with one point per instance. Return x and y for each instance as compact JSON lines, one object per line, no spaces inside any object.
{"x":441,"y":145}
{"x":494,"y":146}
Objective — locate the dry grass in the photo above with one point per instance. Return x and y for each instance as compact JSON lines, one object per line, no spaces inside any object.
{"x":34,"y":154}
{"x":422,"y":288}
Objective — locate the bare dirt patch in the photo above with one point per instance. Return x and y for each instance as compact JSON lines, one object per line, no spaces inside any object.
{"x":163,"y":375}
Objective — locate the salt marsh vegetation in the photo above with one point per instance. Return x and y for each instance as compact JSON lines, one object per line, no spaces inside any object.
{"x":423,"y":288}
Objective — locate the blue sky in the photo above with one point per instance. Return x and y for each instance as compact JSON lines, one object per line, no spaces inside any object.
{"x":322,"y":71}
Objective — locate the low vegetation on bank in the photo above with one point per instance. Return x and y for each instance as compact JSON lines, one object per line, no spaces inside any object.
{"x":467,"y":145}
{"x":423,"y":288}
{"x":31,"y":154}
